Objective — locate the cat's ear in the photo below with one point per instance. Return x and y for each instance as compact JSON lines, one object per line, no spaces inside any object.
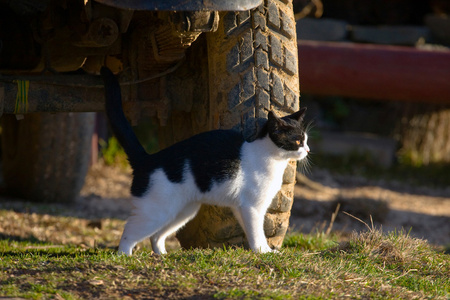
{"x":298,"y":116}
{"x":272,"y":116}
{"x":275,"y":121}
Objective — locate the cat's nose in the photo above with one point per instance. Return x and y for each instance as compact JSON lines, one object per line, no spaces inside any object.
{"x":307,"y":148}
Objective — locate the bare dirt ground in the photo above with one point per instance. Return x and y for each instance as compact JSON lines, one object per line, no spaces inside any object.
{"x":423,"y":211}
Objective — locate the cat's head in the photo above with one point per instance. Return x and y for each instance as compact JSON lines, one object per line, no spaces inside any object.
{"x":288,"y":133}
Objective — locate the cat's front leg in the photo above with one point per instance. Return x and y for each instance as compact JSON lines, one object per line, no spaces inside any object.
{"x":253,"y":221}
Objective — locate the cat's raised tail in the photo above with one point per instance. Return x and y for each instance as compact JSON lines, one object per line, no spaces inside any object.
{"x":119,"y":124}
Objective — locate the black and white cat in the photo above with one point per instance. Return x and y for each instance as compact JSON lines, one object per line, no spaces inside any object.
{"x":217,"y":167}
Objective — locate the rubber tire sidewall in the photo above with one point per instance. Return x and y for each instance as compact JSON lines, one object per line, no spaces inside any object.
{"x":253,"y":68}
{"x":46,"y":156}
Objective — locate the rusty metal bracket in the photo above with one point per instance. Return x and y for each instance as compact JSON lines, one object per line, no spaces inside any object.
{"x":102,"y":32}
{"x":195,"y":21}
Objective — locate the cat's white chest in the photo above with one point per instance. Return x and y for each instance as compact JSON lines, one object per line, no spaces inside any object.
{"x":268,"y":181}
{"x":262,"y":171}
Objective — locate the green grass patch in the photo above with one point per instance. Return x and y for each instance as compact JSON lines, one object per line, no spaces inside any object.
{"x":370,"y":265}
{"x":312,"y":242}
{"x":113,"y":153}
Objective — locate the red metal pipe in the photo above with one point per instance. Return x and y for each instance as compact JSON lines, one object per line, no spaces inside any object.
{"x":374,"y":71}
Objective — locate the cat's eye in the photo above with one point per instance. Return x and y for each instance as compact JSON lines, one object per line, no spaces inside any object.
{"x":298,"y":142}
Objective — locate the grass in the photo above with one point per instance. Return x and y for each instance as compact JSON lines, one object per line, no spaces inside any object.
{"x":113,"y":153}
{"x":370,"y":264}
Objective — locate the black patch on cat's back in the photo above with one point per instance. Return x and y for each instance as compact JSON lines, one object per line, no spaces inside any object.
{"x":216,"y":157}
{"x":140,"y":184}
{"x":212,"y":156}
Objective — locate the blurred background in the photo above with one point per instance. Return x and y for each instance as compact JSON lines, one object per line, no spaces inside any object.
{"x":374,"y":76}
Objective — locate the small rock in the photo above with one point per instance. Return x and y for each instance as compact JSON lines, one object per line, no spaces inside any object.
{"x":96,"y":282}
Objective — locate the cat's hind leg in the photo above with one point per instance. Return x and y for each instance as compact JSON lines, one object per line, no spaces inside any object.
{"x":185,"y":215}
{"x":137,"y":229}
{"x":132,"y":234}
{"x":148,"y":218}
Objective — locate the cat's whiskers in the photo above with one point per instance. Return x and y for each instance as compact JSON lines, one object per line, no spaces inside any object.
{"x":309,"y":126}
{"x":304,"y":165}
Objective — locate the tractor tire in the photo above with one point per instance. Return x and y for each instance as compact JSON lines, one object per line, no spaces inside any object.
{"x":252,"y":61}
{"x":46,"y":156}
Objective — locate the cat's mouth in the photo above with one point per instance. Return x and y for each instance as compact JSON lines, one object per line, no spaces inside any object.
{"x":303,"y":152}
{"x":306,"y":148}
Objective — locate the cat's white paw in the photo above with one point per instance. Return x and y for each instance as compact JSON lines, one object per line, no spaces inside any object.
{"x":124,"y":252}
{"x":126,"y":248}
{"x":158,"y":245}
{"x":264,"y":249}
{"x":159,"y":251}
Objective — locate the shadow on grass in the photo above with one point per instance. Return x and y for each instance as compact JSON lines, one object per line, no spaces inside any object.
{"x":34,"y":246}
